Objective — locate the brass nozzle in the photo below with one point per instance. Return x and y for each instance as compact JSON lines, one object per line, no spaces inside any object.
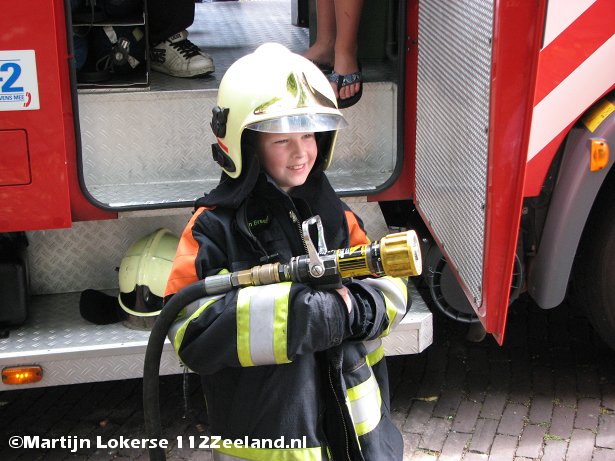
{"x":401,"y":254}
{"x":259,"y":275}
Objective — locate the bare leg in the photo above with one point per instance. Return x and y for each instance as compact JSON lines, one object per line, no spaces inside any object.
{"x":322,"y":51}
{"x":347,"y":18}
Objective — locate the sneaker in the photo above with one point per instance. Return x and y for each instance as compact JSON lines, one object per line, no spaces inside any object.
{"x":179,"y":57}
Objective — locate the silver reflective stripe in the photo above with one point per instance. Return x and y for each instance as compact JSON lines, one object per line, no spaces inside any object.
{"x":195,"y":305}
{"x":368,"y":406}
{"x":262,"y":316}
{"x":392,"y":290}
{"x":371,"y":346}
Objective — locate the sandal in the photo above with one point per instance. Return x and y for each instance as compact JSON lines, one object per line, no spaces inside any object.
{"x":342,"y":80}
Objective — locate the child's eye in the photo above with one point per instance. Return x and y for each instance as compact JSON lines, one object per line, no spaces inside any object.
{"x":308,"y":135}
{"x":281,"y":141}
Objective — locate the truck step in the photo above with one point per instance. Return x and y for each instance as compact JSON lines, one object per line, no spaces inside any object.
{"x":71,"y":350}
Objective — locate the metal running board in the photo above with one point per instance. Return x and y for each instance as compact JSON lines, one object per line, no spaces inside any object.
{"x":151,"y":147}
{"x":71,"y":350}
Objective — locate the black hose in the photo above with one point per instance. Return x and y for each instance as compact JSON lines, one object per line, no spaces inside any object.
{"x":151,"y":366}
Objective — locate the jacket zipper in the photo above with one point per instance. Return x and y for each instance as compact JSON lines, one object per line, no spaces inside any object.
{"x":295,"y":220}
{"x":339,"y":407}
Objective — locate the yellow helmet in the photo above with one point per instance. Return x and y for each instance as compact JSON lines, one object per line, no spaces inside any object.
{"x":143,"y":274}
{"x":275,"y":91}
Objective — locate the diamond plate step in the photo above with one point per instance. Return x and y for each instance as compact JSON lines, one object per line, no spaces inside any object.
{"x":71,"y":350}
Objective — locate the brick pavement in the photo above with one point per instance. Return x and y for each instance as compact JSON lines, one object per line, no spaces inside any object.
{"x":548,"y":394}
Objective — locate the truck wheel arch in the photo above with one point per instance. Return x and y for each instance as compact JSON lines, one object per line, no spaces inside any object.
{"x":574,"y":194}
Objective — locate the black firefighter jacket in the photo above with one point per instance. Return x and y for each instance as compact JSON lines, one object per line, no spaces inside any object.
{"x":288,"y":374}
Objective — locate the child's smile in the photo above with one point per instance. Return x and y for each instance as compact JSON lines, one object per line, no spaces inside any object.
{"x":287,"y":157}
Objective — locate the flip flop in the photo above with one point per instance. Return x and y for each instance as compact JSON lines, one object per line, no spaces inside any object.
{"x":342,"y":80}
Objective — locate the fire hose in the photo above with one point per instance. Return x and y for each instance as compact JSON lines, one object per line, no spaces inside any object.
{"x":397,"y":255}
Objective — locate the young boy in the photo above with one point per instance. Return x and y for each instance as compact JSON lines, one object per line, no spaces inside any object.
{"x":284,"y":361}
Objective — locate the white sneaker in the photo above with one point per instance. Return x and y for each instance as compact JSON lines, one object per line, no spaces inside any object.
{"x":179,"y":57}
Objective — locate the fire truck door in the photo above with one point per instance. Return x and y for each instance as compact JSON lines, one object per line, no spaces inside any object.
{"x":35,"y":116}
{"x":476,"y":74}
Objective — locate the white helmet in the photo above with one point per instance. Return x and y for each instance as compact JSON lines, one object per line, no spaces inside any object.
{"x":275,"y":91}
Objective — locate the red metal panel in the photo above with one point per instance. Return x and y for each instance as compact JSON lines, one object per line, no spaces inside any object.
{"x":403,"y":187}
{"x":44,"y":202}
{"x":516,"y":43}
{"x":575,"y":69}
{"x":14,"y":163}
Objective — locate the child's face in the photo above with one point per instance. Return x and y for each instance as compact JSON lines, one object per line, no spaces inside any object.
{"x":287,"y":157}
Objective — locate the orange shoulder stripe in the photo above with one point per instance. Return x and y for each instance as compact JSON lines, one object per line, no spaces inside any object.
{"x":357,"y":234}
{"x":183,"y":271}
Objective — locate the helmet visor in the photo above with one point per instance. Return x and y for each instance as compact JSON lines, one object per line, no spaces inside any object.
{"x":304,"y":123}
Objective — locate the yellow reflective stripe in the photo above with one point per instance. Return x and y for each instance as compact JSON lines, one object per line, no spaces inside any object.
{"x":375,"y":351}
{"x":262,"y":317}
{"x":365,"y":403}
{"x":243,"y":327}
{"x":395,"y":295}
{"x":179,"y":336}
{"x":267,"y":454}
{"x":280,"y":330}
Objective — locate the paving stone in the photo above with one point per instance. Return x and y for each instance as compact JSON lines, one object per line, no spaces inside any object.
{"x":532,"y":440}
{"x":476,"y":383}
{"x":420,"y":455}
{"x":475,"y":457}
{"x":455,"y":373}
{"x":433,"y":380}
{"x":483,"y":435}
{"x":581,"y":444}
{"x":411,"y":443}
{"x":454,"y":446}
{"x":512,"y":419}
{"x":420,"y":413}
{"x":603,"y":454}
{"x":520,"y":383}
{"x":554,"y":450}
{"x":499,"y":375}
{"x":436,"y":431}
{"x":608,"y":396}
{"x":542,"y":380}
{"x":493,"y":406}
{"x":588,"y":384}
{"x":503,"y":448}
{"x":466,"y":416}
{"x":565,"y":387}
{"x":541,"y":409}
{"x":606,"y":431}
{"x":447,"y":403}
{"x":588,"y":412}
{"x":562,"y":422}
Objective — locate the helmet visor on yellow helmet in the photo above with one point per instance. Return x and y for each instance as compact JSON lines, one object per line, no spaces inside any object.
{"x":300,"y":123}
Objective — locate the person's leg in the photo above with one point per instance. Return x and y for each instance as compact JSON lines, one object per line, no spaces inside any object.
{"x":166,"y":18}
{"x":322,"y":51}
{"x":347,"y":18}
{"x":171,"y":52}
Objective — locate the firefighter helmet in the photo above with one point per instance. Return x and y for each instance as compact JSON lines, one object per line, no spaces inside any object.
{"x":143,"y":275}
{"x":275,"y":91}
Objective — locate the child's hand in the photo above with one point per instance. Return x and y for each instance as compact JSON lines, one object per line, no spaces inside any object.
{"x":346,"y":297}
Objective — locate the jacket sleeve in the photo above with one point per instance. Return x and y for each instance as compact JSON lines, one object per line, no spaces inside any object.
{"x":393,"y":291}
{"x":264,"y":325}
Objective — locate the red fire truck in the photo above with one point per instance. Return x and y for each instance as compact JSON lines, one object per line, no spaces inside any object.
{"x":485,"y":125}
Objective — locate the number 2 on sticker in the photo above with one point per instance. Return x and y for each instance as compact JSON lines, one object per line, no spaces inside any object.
{"x":15,"y":72}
